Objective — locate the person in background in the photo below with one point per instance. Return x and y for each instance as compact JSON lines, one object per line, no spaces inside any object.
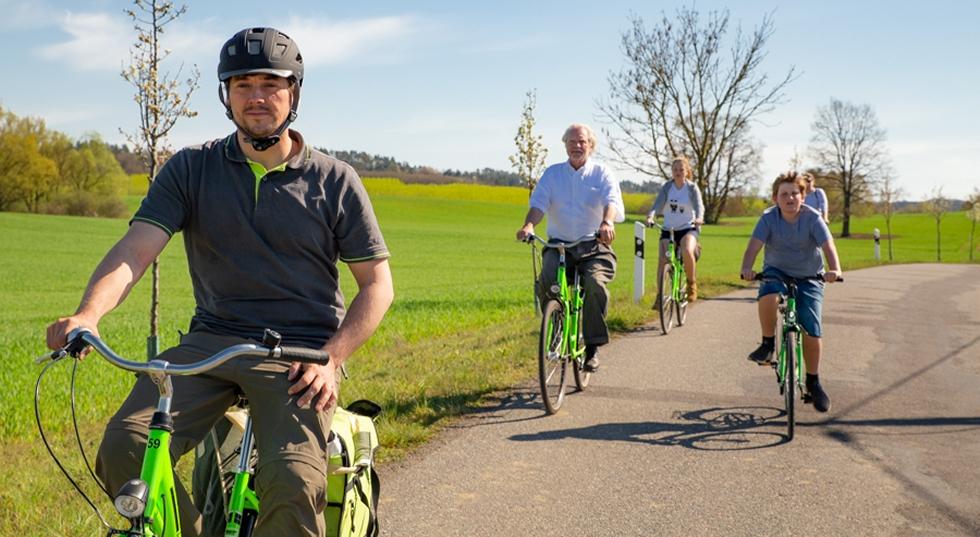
{"x":679,"y":201}
{"x":816,"y":197}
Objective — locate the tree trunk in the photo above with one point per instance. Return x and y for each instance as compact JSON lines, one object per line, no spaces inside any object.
{"x":939,"y":247}
{"x":972,"y":229}
{"x":846,"y":228}
{"x":888,"y":229}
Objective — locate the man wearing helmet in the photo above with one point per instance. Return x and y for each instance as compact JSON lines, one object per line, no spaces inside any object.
{"x":264,"y":220}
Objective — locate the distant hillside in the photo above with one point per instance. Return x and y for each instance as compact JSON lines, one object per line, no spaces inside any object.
{"x":369,"y":165}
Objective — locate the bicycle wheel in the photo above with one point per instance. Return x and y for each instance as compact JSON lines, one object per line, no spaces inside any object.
{"x":789,"y":383}
{"x":666,"y":298}
{"x":582,"y":377}
{"x":552,"y":366}
{"x":681,"y":303}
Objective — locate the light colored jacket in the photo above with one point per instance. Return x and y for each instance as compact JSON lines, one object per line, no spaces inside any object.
{"x":694,"y":193}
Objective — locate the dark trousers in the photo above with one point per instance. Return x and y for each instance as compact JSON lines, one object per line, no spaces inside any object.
{"x":596,"y":263}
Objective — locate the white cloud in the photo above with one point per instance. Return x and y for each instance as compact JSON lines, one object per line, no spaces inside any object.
{"x":333,"y":42}
{"x":98,"y":42}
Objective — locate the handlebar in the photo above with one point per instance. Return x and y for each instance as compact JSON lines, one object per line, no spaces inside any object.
{"x":819,"y":277}
{"x":80,"y":338}
{"x":655,"y":224}
{"x":531,"y":237}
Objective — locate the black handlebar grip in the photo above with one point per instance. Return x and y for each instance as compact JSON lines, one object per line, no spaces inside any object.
{"x":302,"y":354}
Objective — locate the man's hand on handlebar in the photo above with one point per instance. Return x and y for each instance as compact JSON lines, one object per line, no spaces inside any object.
{"x":525,"y":232}
{"x":748,"y":274}
{"x":57,"y":333}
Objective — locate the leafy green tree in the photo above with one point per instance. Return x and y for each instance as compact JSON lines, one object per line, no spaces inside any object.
{"x":91,"y":167}
{"x":28,"y":167}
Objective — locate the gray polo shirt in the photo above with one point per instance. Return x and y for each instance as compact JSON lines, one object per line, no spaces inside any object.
{"x":263,"y":250}
{"x":793,"y":248}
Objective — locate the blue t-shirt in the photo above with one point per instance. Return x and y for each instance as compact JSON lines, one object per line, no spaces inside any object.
{"x":818,"y":200}
{"x":792,"y":248}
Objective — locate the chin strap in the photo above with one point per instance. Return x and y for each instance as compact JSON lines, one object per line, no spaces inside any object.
{"x":261,"y":144}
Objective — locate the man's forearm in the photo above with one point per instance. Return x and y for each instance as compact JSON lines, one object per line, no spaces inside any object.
{"x":111,"y":281}
{"x":363,"y":317}
{"x":533,"y":216}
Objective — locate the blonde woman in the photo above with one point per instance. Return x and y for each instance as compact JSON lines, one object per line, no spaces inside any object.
{"x":679,"y":201}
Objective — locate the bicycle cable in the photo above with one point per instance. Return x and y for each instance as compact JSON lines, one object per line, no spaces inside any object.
{"x":44,"y":439}
{"x":78,"y":436}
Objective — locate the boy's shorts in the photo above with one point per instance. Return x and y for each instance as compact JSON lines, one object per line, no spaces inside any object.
{"x":809,"y":298}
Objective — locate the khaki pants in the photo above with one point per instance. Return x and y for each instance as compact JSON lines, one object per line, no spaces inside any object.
{"x":291,"y":474}
{"x":597,"y":265}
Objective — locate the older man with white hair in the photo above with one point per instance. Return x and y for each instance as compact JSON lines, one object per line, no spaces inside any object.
{"x":582,"y":199}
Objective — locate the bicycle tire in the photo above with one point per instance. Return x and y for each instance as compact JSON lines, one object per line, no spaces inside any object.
{"x":681,"y":303}
{"x":666,"y":298}
{"x":789,"y":383}
{"x":581,"y":376}
{"x":552,"y":365}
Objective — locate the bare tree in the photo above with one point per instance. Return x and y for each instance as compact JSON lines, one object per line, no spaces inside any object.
{"x":161,"y":101}
{"x":848,"y":144}
{"x":973,"y":213}
{"x":888,"y":194}
{"x":681,"y":93}
{"x":937,"y":206}
{"x":531,"y":154}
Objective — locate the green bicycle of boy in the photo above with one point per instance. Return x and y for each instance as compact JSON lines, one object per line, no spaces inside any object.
{"x":790,"y":362}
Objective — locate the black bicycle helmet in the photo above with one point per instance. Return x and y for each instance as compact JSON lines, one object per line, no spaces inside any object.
{"x":260,"y":51}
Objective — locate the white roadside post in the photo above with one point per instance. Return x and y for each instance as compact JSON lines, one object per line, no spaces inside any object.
{"x":639,"y":237}
{"x":877,"y":245}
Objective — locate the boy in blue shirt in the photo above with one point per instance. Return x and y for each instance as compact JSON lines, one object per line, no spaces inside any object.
{"x":794,"y":235}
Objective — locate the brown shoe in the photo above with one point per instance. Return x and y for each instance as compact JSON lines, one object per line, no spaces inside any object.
{"x":692,"y":291}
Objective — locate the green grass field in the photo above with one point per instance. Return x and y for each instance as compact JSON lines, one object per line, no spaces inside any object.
{"x":461,"y":328}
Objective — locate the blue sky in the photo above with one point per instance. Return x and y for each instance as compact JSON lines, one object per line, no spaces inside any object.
{"x":442,"y":83}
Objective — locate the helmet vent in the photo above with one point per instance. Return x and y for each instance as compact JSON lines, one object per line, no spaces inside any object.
{"x":254,"y":46}
{"x":280,"y":51}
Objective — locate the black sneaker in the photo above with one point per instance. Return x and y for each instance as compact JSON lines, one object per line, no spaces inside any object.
{"x":819,"y":398}
{"x":762,"y":355}
{"x":591,"y":364}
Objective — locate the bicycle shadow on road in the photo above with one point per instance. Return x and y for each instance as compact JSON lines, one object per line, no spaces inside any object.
{"x":498,"y":409}
{"x":708,"y":429}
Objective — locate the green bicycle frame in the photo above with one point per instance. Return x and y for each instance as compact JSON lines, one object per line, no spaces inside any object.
{"x":790,"y":325}
{"x":243,"y":499}
{"x":572,"y":304}
{"x":160,"y":517}
{"x":675,"y":281}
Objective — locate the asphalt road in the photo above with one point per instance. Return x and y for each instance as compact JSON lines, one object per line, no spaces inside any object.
{"x":681,"y":435}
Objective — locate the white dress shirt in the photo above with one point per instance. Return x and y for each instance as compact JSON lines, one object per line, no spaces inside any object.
{"x":574,"y":200}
